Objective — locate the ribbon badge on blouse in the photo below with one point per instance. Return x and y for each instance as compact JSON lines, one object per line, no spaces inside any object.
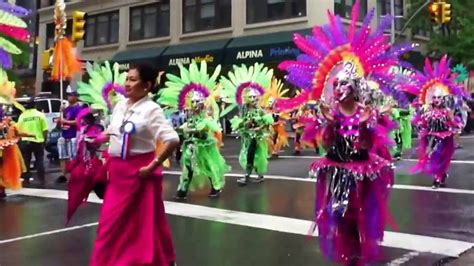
{"x":128,"y":130}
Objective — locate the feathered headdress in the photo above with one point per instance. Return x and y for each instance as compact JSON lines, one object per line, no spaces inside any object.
{"x":8,"y":91}
{"x":331,"y":49}
{"x":105,"y":86}
{"x":193,"y":82}
{"x":461,"y":73}
{"x":65,"y":63}
{"x":13,"y":27}
{"x":435,"y":78}
{"x":242,"y":81}
{"x":275,"y":92}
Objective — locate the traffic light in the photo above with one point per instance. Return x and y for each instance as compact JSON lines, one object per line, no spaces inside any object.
{"x":435,"y":12}
{"x":78,"y":26}
{"x":445,"y":13}
{"x":47,"y":59}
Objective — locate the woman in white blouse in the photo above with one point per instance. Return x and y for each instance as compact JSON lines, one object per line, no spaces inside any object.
{"x":132,"y":228}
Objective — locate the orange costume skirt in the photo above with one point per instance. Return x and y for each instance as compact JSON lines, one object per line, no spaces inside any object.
{"x":12,"y":165}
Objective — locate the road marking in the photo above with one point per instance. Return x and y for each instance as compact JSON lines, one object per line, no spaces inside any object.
{"x":418,"y":243}
{"x":311,"y":180}
{"x":48,"y":233}
{"x":404,"y":259}
{"x":319,"y":157}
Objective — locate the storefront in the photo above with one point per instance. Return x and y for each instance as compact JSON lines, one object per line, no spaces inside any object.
{"x":133,"y":56}
{"x":210,"y":51}
{"x":266,"y":48}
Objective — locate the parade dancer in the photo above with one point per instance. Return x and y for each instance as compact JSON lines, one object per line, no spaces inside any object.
{"x":435,"y":119}
{"x":86,"y":166}
{"x":87,"y":170}
{"x":244,"y":88}
{"x":279,"y":137}
{"x":12,"y":165}
{"x":201,"y":160}
{"x":133,"y":228}
{"x":403,"y":134}
{"x":352,"y":183}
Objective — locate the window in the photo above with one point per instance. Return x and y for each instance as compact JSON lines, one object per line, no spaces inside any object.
{"x":385,"y":9}
{"x":102,"y":29}
{"x":150,"y":21}
{"x":269,"y":10}
{"x":55,"y":106}
{"x":343,"y":8}
{"x":43,"y":106}
{"x":201,"y":15}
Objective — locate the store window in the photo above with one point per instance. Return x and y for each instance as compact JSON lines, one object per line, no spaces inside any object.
{"x":385,"y":9}
{"x":102,"y":29}
{"x":270,"y":10}
{"x":150,"y":21}
{"x":343,"y":8}
{"x":202,"y":15}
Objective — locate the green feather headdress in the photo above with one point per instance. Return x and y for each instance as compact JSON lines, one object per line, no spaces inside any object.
{"x":105,"y":86}
{"x":462,"y":73}
{"x":195,"y":80}
{"x":243,"y":80}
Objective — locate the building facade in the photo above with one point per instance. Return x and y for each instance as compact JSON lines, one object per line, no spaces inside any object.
{"x":225,"y":32}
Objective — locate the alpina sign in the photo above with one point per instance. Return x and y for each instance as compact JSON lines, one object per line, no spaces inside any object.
{"x":187,"y":60}
{"x":250,"y":54}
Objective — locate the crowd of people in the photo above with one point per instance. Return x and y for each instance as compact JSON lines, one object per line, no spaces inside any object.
{"x":351,"y":109}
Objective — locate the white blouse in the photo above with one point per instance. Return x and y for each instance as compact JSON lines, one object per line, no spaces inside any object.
{"x":150,"y":126}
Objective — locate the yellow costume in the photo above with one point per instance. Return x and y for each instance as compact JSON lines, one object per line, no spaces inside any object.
{"x":279,"y":138}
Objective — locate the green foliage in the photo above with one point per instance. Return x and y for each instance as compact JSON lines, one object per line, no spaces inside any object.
{"x":460,"y":42}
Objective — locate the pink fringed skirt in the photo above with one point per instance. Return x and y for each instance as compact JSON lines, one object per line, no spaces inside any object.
{"x":351,"y":208}
{"x":133,"y":229}
{"x":435,"y":153}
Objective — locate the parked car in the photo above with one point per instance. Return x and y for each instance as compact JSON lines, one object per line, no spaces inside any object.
{"x":49,"y":106}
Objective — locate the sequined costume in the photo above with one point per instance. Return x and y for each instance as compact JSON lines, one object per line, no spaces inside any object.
{"x":352,"y":182}
{"x":201,"y":159}
{"x":435,"y":120}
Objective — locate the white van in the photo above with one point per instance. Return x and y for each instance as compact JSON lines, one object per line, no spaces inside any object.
{"x":49,"y":106}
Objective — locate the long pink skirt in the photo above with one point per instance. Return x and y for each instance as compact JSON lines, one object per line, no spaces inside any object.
{"x":133,"y":229}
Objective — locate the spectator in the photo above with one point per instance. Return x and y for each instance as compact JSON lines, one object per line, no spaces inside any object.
{"x":67,"y":144}
{"x":34,"y":123}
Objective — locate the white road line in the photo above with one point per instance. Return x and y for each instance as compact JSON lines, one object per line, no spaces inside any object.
{"x":419,"y":243}
{"x":47,"y":233}
{"x":319,"y":157}
{"x":310,"y":180}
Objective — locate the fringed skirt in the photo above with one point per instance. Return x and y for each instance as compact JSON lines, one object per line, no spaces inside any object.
{"x":351,"y":208}
{"x":435,"y":153}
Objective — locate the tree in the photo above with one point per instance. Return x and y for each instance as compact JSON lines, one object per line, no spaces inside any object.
{"x":459,"y":43}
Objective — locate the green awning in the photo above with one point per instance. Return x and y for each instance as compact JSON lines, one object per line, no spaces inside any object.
{"x":271,"y":47}
{"x":150,"y":55}
{"x":211,"y":51}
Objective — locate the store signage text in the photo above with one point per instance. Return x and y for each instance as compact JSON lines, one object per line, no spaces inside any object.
{"x":284,"y":51}
{"x":250,"y":54}
{"x":187,"y":60}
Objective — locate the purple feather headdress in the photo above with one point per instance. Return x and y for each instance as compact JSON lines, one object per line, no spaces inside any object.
{"x":109,"y":88}
{"x":247,"y":85}
{"x":192,"y":87}
{"x":434,"y":76}
{"x":330,"y":45}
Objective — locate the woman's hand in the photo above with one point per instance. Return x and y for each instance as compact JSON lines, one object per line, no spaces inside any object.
{"x":147,"y":171}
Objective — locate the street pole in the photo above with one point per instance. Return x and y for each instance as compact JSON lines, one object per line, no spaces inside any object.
{"x":413,"y":16}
